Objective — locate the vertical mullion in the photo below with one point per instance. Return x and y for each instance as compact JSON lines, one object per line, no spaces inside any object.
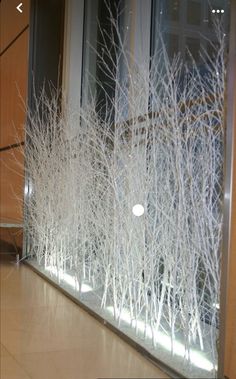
{"x":72,"y":71}
{"x":228,"y":246}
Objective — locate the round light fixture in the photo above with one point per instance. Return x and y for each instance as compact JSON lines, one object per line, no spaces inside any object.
{"x":138,"y":210}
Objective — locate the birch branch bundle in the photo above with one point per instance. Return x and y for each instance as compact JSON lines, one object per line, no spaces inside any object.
{"x":165,"y":154}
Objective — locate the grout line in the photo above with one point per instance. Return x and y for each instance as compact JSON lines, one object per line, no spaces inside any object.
{"x":14,"y":40}
{"x":14,"y":358}
{"x":13,"y":146}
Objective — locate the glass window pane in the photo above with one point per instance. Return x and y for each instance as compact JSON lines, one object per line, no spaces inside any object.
{"x":173,"y":10}
{"x":99,"y":58}
{"x":194,"y":9}
{"x":193,"y":48}
{"x":172,"y":43}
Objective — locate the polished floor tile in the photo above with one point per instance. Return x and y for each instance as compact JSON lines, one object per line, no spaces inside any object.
{"x":3,"y":351}
{"x":77,"y":364}
{"x":10,"y":369}
{"x":19,"y":293}
{"x":44,"y":335}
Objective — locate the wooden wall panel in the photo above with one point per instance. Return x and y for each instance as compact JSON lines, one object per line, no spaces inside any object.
{"x":14,"y":41}
{"x":11,"y":240}
{"x":12,"y":185}
{"x":12,"y":22}
{"x":14,"y":70}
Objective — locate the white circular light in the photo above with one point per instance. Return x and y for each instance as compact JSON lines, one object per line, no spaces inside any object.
{"x":138,"y":210}
{"x":217,"y":11}
{"x":213,"y":11}
{"x":222,"y":11}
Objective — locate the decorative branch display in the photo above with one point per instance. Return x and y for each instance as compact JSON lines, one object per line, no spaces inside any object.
{"x":129,"y":201}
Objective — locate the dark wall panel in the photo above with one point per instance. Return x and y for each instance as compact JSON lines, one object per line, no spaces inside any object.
{"x":46,"y":45}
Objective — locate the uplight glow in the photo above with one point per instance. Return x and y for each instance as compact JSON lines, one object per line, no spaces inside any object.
{"x":68,"y":279}
{"x":196,"y":357}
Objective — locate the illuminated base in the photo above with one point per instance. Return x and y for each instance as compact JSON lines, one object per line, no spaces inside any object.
{"x":197,"y":366}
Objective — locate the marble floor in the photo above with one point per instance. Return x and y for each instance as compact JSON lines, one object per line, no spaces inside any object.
{"x":44,"y":335}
